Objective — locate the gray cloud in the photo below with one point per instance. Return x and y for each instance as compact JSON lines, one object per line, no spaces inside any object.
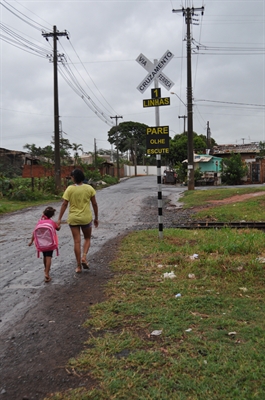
{"x":108,"y":36}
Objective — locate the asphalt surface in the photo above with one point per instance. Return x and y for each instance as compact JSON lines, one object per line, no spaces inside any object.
{"x":21,"y":272}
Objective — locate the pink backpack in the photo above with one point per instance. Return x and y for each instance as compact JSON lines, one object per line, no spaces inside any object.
{"x":45,"y":237}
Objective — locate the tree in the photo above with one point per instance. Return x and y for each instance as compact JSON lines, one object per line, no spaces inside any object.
{"x":33,"y":150}
{"x":65,"y":155}
{"x":233,"y":170}
{"x":178,"y":147}
{"x":261,"y":149}
{"x":76,"y":147}
{"x":129,"y":136}
{"x":48,"y":152}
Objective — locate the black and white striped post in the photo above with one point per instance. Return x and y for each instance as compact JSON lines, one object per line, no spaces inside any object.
{"x":159,"y":180}
{"x":159,"y":196}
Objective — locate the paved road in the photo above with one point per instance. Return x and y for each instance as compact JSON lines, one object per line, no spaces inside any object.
{"x":21,"y":272}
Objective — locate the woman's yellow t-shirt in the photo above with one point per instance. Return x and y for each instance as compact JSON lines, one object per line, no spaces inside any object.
{"x":79,"y":197}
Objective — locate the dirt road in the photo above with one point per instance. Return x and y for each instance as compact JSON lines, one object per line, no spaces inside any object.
{"x":40,"y":323}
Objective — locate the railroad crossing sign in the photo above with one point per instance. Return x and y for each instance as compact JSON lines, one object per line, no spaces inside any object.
{"x":155,"y":71}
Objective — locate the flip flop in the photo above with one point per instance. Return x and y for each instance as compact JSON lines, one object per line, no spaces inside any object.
{"x":85,"y":265}
{"x":84,"y":262}
{"x":47,"y":279}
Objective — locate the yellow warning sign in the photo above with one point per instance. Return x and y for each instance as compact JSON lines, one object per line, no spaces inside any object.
{"x":162,"y":101}
{"x":157,"y":140}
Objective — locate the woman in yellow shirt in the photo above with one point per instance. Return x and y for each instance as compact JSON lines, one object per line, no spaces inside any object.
{"x":79,"y":196}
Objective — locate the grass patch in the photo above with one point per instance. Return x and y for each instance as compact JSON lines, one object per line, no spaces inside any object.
{"x":203,"y":197}
{"x":212,"y":341}
{"x":7,"y":206}
{"x":247,"y":210}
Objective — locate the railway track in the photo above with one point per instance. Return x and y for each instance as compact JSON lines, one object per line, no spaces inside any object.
{"x":218,"y":225}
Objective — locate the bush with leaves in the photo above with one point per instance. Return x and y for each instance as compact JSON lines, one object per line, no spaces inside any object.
{"x":110,"y":180}
{"x":181,"y":170}
{"x":233,"y":170}
{"x":197,"y":175}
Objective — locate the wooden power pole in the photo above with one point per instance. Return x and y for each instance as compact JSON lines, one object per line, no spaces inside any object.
{"x":117,"y":143}
{"x":55,"y":34}
{"x":188,"y":13}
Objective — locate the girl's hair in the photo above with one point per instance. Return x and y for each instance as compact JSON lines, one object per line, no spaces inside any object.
{"x":49,"y":212}
{"x":78,"y":175}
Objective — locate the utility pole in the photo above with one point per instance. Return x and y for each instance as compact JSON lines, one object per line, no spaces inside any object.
{"x":135,"y":158}
{"x":208,"y":137}
{"x":188,"y":13}
{"x":95,"y":153}
{"x":118,"y":163}
{"x":57,"y":160}
{"x":184,"y":117}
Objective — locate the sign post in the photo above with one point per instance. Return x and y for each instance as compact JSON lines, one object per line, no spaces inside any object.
{"x":157,"y":138}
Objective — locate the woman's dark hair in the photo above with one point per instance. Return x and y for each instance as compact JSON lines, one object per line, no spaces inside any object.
{"x":49,"y":212}
{"x":78,"y":175}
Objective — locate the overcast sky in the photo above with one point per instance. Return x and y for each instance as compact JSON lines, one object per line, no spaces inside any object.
{"x":106,"y":37}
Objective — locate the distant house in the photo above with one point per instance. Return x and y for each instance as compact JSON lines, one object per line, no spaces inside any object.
{"x":210,"y":167}
{"x":207,"y":163}
{"x":88,"y":158}
{"x":12,"y":159}
{"x":250,"y":153}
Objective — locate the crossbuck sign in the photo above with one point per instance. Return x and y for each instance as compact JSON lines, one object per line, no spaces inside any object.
{"x":155,"y":71}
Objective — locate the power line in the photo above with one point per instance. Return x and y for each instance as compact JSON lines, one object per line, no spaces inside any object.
{"x":16,"y":40}
{"x":91,"y":78}
{"x":231,"y":102}
{"x":33,"y":25}
{"x":33,"y":14}
{"x":22,"y":43}
{"x":74,"y":84}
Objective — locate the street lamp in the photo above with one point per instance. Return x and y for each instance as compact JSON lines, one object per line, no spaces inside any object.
{"x":179,"y":98}
{"x":181,"y":116}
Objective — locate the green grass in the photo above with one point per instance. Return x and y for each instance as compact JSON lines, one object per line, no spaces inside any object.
{"x":212,"y":343}
{"x":203,"y":197}
{"x":7,"y":206}
{"x":248,"y":210}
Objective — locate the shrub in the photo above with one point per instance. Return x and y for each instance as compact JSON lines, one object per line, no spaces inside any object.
{"x":110,"y":180}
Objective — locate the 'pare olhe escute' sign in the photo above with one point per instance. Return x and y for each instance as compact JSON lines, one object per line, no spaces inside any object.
{"x":157,"y":140}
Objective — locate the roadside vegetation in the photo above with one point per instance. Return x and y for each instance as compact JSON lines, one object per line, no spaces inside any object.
{"x":184,"y":315}
{"x":19,"y":193}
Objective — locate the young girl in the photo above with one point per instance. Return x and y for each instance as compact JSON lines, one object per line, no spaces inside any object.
{"x":48,"y":213}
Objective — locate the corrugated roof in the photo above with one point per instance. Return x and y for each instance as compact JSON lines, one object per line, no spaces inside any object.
{"x":236,"y":148}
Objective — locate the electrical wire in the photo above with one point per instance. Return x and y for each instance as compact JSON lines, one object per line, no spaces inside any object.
{"x":21,"y":5}
{"x":21,"y":42}
{"x":17,"y":40}
{"x":235,"y":49}
{"x":233,"y":103}
{"x":92,"y":79}
{"x":33,"y":25}
{"x":72,"y":81}
{"x":88,"y":75}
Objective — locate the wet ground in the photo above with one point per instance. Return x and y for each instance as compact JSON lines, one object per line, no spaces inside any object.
{"x":40,"y":323}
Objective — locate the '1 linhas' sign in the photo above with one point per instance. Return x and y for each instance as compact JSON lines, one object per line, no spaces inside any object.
{"x":157,"y":140}
{"x":162,"y":101}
